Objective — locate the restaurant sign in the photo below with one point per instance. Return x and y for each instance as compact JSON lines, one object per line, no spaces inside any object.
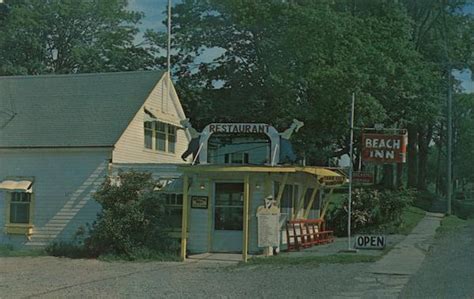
{"x":384,"y":148}
{"x":239,"y":128}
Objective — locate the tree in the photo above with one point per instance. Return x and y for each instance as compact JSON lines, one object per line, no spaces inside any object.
{"x":301,"y":59}
{"x":444,"y":37}
{"x":464,"y":138}
{"x":69,"y":36}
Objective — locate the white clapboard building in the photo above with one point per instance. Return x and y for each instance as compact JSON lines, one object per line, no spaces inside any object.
{"x":61,"y":135}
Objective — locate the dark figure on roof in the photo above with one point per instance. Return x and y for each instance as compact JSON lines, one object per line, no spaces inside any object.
{"x":287,"y":154}
{"x":193,"y":146}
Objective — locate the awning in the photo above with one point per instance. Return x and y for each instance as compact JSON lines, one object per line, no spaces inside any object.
{"x":328,"y":176}
{"x":19,"y":186}
{"x":173,"y":186}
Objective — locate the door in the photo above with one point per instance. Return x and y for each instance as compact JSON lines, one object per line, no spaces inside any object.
{"x":228,"y":217}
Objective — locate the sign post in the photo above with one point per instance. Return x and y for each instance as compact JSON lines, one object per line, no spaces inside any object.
{"x":349,"y":247}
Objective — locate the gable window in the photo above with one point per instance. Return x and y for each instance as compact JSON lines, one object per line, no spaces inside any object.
{"x":236,"y":158}
{"x":160,"y":136}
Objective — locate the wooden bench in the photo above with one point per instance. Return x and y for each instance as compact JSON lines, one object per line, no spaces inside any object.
{"x":305,"y":233}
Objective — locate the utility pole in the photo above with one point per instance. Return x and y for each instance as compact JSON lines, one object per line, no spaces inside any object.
{"x":349,"y":245}
{"x":168,"y":54}
{"x":449,"y":186}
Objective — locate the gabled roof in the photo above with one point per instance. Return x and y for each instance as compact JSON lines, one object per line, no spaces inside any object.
{"x":71,"y":110}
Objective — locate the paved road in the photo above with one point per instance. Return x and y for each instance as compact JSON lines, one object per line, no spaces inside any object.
{"x":448,"y":269}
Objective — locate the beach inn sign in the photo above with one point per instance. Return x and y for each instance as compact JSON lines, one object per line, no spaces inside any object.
{"x":384,"y":148}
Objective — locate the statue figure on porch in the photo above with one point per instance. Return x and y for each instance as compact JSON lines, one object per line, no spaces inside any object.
{"x":193,"y":146}
{"x":287,"y":154}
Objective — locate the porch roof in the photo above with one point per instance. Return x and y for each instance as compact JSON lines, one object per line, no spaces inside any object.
{"x":323,"y":174}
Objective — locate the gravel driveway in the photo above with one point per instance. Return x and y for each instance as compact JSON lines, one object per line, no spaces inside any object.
{"x":49,"y":277}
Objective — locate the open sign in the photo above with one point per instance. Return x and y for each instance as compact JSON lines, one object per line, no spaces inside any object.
{"x":370,"y":242}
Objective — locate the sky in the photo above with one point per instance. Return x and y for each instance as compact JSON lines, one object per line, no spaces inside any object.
{"x":155,"y":15}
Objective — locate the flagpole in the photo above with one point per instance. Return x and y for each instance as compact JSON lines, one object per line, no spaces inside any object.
{"x":168,"y":54}
{"x":349,"y":247}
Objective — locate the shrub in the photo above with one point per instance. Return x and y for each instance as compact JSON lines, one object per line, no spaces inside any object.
{"x":67,"y":249}
{"x":371,"y":211}
{"x":463,"y":209}
{"x":424,"y":200}
{"x":132,"y":220}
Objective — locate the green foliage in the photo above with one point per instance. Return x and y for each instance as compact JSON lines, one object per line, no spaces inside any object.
{"x":463,"y":209}
{"x":67,"y":249}
{"x":11,"y":251}
{"x":69,"y":36}
{"x":132,"y":222}
{"x":424,"y":200}
{"x":142,"y":254}
{"x":372,"y":211}
{"x":464,"y":137}
{"x":449,"y":224}
{"x":276,"y":60}
{"x":410,"y":218}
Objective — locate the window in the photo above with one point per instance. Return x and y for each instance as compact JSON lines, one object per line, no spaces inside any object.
{"x":229,"y":206}
{"x":236,"y":158}
{"x":20,"y":207}
{"x":148,"y":135}
{"x":160,"y":136}
{"x":173,"y":208}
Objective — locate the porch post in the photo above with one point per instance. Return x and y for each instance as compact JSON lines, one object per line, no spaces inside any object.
{"x":311,"y":201}
{"x":184,"y":217}
{"x":300,"y":203}
{"x":281,"y":189}
{"x":245,"y":233}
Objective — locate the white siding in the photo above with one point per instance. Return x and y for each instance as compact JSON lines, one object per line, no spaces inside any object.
{"x":158,"y":171}
{"x":64,"y":182}
{"x":164,"y":104}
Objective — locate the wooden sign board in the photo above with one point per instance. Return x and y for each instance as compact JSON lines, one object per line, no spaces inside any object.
{"x":199,"y":202}
{"x":268,"y":226}
{"x":362,"y":177}
{"x":384,"y":148}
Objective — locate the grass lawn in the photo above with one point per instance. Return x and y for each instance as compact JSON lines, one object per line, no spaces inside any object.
{"x":410,"y":218}
{"x":9,"y":251}
{"x":449,"y":224}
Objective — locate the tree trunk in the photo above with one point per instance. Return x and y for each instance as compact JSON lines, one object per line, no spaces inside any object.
{"x":412,"y":156}
{"x":424,"y":138}
{"x":399,"y":177}
{"x":438,"y":168}
{"x":388,"y":176}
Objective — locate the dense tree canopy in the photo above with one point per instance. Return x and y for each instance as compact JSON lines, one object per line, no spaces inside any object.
{"x":270,"y":61}
{"x":69,"y":36}
{"x":282,"y":59}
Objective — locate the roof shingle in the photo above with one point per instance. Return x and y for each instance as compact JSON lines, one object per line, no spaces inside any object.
{"x":71,"y":110}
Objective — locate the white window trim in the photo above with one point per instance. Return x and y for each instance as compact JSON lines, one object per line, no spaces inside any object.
{"x":154,"y":132}
{"x":19,"y":228}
